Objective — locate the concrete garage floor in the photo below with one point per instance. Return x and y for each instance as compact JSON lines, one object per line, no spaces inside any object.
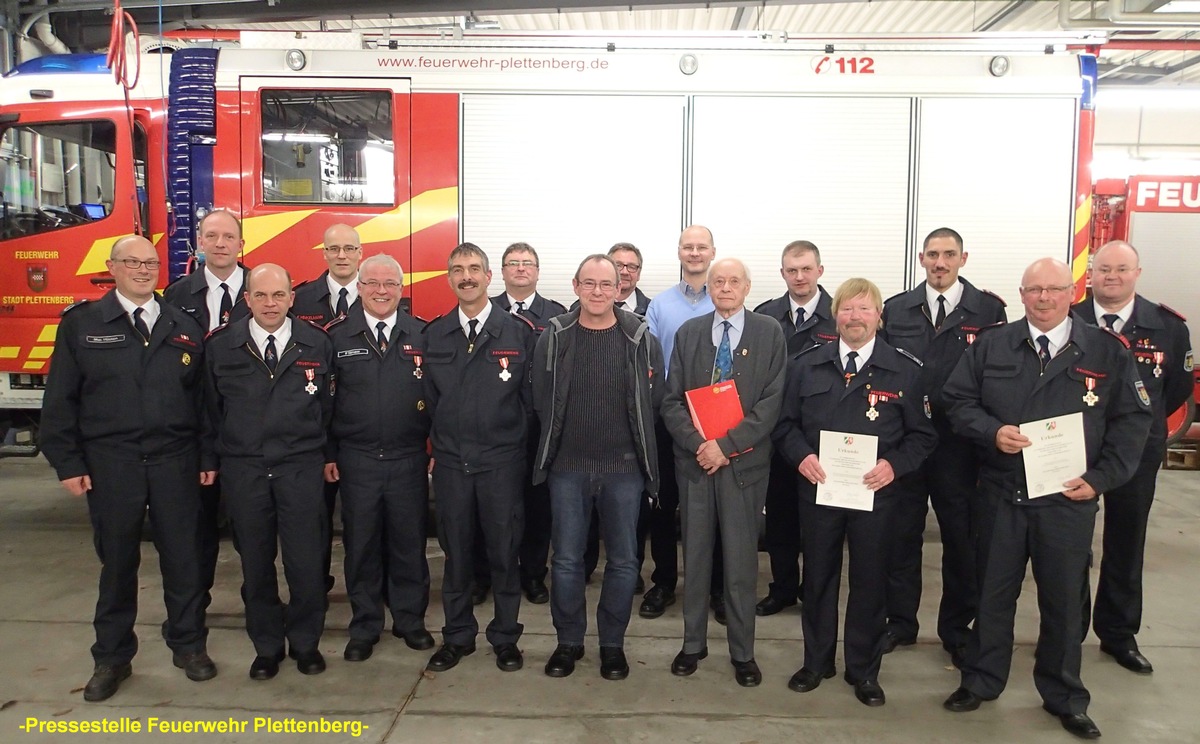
{"x":49,"y":574}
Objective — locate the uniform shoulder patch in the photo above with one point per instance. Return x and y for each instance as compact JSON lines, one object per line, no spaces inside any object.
{"x":997,"y":297}
{"x":73,"y":305}
{"x":1110,"y":332}
{"x":1173,"y":311}
{"x":911,"y":356}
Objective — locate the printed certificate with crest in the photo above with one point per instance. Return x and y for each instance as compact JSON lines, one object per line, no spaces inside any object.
{"x":1057,"y":455}
{"x":846,"y":458}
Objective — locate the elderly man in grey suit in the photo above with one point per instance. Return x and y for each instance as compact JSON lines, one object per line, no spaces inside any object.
{"x":723,"y":480}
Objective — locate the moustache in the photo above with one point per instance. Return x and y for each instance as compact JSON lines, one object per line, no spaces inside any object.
{"x":468,"y":285}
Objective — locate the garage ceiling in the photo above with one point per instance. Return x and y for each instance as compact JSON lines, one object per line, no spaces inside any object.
{"x":1142,"y":42}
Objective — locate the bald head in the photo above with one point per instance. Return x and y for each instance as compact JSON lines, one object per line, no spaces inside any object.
{"x":1114,"y":274}
{"x":137,"y":282}
{"x":343,"y":252}
{"x":696,"y":252}
{"x":127,"y":243}
{"x":269,"y":295}
{"x":728,"y":284}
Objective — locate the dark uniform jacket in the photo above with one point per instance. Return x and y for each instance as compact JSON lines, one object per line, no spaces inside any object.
{"x":312,"y":301}
{"x":759,"y":365}
{"x":554,"y":361}
{"x":538,"y":313}
{"x":817,"y":398}
{"x":999,"y":381}
{"x":378,"y":398}
{"x":1152,"y":330}
{"x":189,"y":293}
{"x":480,"y":403}
{"x":253,"y":413}
{"x":111,"y":395}
{"x":907,"y":325}
{"x":818,"y":328}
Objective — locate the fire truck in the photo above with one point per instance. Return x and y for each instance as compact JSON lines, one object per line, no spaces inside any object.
{"x":569,"y":143}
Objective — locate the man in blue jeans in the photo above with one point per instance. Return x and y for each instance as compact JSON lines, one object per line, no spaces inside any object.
{"x":575,"y":364}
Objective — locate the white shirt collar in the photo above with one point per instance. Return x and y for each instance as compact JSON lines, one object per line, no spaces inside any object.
{"x":373,"y":323}
{"x":512,"y":301}
{"x":863,"y":354}
{"x":953,"y":296}
{"x":335,"y":290}
{"x":810,"y":307}
{"x":149,"y":309}
{"x":1123,"y":315}
{"x":234,"y":282}
{"x":484,"y":314}
{"x":282,"y":335}
{"x":1058,"y":335}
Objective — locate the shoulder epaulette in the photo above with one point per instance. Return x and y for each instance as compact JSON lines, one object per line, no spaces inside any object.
{"x":1173,"y":311}
{"x":806,"y":349}
{"x":319,"y":327}
{"x":332,"y":323}
{"x":1124,"y":341}
{"x":911,"y":356}
{"x":524,"y":320}
{"x":73,"y":305}
{"x":431,"y":322}
{"x":304,"y":284}
{"x":761,"y":305}
{"x":999,"y":299}
{"x":990,"y":326}
{"x":216,"y":330}
{"x":896,"y":296}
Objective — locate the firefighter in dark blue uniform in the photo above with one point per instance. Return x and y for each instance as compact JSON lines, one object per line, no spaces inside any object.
{"x":519,"y":268}
{"x":377,"y":455}
{"x":1162,"y":348}
{"x":269,"y":407}
{"x":856,"y":385}
{"x":936,"y":321}
{"x":809,"y":303}
{"x":1043,"y":367}
{"x":477,"y":387}
{"x":120,"y":425}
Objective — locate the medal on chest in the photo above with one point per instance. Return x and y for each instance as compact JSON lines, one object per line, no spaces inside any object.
{"x":504,"y":373}
{"x":311,"y":387}
{"x":1090,"y":397}
{"x":872,"y":399}
{"x":417,"y":371}
{"x":1158,"y":360}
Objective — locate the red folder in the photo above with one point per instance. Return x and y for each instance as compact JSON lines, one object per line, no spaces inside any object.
{"x":715,"y":408}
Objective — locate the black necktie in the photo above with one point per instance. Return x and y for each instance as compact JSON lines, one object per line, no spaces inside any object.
{"x":1044,"y":353}
{"x":226,"y":304}
{"x":851,"y":365}
{"x":941,"y":313}
{"x":380,"y":337}
{"x":1110,"y":320}
{"x":472,"y":335}
{"x":140,"y":326}
{"x":270,"y":356}
{"x":517,"y":308}
{"x":799,"y":318}
{"x":342,"y":306}
{"x":621,"y":304}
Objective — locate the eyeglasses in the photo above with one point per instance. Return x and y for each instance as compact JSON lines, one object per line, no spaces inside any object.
{"x":526,"y":264}
{"x":347,"y":249}
{"x":1119,"y":270}
{"x":631,"y":268}
{"x":133,"y":263}
{"x":590,"y":285}
{"x":374,"y":284}
{"x":1039,"y":291}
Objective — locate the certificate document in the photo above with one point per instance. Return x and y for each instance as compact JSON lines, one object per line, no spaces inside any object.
{"x":1057,"y":455}
{"x":846,"y":458}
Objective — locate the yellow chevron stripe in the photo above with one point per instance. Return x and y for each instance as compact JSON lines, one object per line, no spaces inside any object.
{"x":258,"y":230}
{"x":48,"y":334}
{"x":10,"y":352}
{"x":41,"y":352}
{"x":93,"y":262}
{"x":33,"y":366}
{"x":424,"y":210}
{"x":420,"y":276}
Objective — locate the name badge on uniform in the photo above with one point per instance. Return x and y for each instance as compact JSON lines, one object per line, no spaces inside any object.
{"x":1158,"y":360}
{"x":872,"y":399}
{"x":504,"y":373}
{"x":311,"y":387}
{"x":1090,"y":398}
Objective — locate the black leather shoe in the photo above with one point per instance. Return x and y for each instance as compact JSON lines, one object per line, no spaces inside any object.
{"x":536,"y":591}
{"x":358,"y":650}
{"x":891,"y":641}
{"x":309,"y":662}
{"x":265,"y":667}
{"x":685,"y":663}
{"x":656,"y":602}
{"x":717,"y":603}
{"x":448,"y":656}
{"x":613,"y":664}
{"x":197,"y":666}
{"x":962,"y":700}
{"x":1080,"y":725}
{"x":869,"y":693}
{"x":479,"y":594}
{"x":747,"y":673}
{"x":806,"y":680}
{"x":772,"y":605}
{"x":562,"y":661}
{"x":106,"y":679}
{"x":418,"y":640}
{"x":1131,"y":659}
{"x":509,"y":658}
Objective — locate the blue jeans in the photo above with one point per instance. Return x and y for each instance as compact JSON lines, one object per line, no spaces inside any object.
{"x":618,"y":499}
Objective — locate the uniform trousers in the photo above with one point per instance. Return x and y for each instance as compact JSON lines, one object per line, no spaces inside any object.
{"x":490,"y":502}
{"x":121,"y":492}
{"x":717,"y":510}
{"x":274,"y":507}
{"x":1118,"y":614}
{"x":949,"y":476}
{"x":782,"y":539}
{"x":826,"y":530}
{"x":1056,"y":538}
{"x":385,"y":506}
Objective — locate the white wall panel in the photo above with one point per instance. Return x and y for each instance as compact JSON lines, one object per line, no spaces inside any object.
{"x":1166,"y":242}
